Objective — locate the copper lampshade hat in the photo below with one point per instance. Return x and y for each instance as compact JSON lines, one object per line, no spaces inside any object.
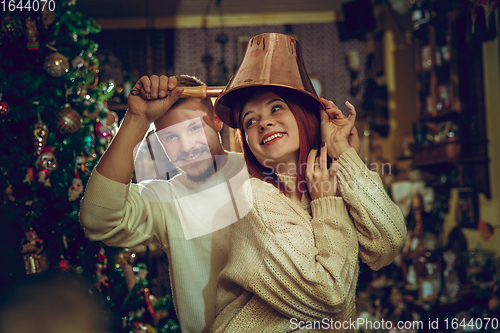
{"x":271,"y":60}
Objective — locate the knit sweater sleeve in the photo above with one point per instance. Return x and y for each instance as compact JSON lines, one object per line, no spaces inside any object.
{"x":302,"y":267}
{"x":379,"y":221}
{"x":118,"y":214}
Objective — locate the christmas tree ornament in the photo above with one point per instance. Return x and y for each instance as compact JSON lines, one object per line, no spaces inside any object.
{"x":56,"y":64}
{"x":96,"y":77}
{"x":40,"y":135}
{"x":31,"y":34}
{"x":129,"y":275}
{"x":76,"y":188}
{"x":30,"y":175}
{"x":78,"y":62}
{"x":34,"y":259}
{"x":9,"y":194}
{"x":48,"y":17}
{"x":149,"y":305}
{"x":106,"y":127}
{"x":11,"y":26}
{"x":46,"y":163}
{"x":4,"y":107}
{"x":99,"y":277}
{"x":81,"y":163}
{"x":64,"y":265}
{"x":68,"y":120}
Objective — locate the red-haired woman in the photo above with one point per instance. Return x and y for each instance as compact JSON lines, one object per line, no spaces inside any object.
{"x":293,"y":261}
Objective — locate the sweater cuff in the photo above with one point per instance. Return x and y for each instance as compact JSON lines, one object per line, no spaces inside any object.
{"x":106,"y":193}
{"x":329,"y":206}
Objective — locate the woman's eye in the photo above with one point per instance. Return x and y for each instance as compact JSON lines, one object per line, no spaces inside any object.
{"x":250,"y":122}
{"x":275,"y":108}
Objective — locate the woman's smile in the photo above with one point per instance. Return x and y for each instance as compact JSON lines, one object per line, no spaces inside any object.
{"x":271,"y":138}
{"x":271,"y":130}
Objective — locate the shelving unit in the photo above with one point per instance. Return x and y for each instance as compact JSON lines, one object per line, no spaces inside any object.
{"x":450,"y":136}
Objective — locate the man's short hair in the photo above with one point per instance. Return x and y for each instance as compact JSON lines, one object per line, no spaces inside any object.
{"x":193,"y":81}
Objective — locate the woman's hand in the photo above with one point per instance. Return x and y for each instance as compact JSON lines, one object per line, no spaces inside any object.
{"x":336,"y":129}
{"x":164,"y":93}
{"x":321,"y":181}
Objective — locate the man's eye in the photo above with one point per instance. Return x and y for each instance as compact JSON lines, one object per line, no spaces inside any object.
{"x":195,"y":128}
{"x":171,"y":137}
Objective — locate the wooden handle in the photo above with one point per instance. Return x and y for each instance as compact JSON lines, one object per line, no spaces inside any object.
{"x":194,"y":92}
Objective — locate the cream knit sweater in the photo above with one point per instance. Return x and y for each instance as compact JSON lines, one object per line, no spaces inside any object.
{"x":294,"y":260}
{"x":130,"y":214}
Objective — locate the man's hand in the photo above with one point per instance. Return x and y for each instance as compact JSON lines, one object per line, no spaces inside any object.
{"x":337,"y":129}
{"x":164,"y":93}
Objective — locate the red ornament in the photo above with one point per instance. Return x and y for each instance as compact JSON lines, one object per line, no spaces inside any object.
{"x":64,"y":265}
{"x":4,"y":108}
{"x":149,"y":305}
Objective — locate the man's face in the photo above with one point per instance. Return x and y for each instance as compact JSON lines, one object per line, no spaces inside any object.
{"x":188,"y":141}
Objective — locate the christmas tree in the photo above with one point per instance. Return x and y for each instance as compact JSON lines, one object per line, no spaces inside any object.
{"x":55,"y":126}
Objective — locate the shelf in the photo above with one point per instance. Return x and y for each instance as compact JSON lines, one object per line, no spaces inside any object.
{"x":446,"y":114}
{"x":437,"y":153}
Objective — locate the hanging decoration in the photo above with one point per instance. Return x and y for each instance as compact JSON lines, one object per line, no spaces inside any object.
{"x":101,"y":280}
{"x":31,"y":34}
{"x":56,"y":64}
{"x":45,"y":164}
{"x":9,"y":194}
{"x":40,"y":135}
{"x":11,"y":26}
{"x":105,"y":128}
{"x":34,"y":259}
{"x":78,"y":62}
{"x":4,"y":107}
{"x":68,"y":120}
{"x":76,"y":188}
{"x":48,"y":17}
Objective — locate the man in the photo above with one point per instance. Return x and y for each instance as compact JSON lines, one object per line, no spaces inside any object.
{"x":184,"y":213}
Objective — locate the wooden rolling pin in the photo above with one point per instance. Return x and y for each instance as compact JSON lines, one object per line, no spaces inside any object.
{"x":198,"y":91}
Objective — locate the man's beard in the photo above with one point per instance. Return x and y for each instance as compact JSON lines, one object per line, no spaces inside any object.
{"x":210,"y":171}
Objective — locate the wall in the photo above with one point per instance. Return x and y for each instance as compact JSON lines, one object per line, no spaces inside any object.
{"x":322,"y":50}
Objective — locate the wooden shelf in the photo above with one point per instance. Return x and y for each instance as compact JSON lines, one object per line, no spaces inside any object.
{"x":450,"y":95}
{"x":437,"y":153}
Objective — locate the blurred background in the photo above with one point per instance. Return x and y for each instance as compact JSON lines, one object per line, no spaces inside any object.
{"x":423,"y":75}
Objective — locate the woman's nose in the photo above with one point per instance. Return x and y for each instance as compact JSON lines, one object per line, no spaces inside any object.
{"x":265,"y":123}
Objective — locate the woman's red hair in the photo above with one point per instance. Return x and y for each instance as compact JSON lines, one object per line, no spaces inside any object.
{"x":308,"y":122}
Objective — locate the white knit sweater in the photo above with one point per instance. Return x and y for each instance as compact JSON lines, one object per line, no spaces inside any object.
{"x":130,"y":214}
{"x":299,"y":259}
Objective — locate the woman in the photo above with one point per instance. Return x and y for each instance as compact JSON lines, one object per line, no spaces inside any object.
{"x":293,"y":261}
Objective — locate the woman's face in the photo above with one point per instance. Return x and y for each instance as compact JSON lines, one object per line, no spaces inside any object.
{"x":271,"y":131}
